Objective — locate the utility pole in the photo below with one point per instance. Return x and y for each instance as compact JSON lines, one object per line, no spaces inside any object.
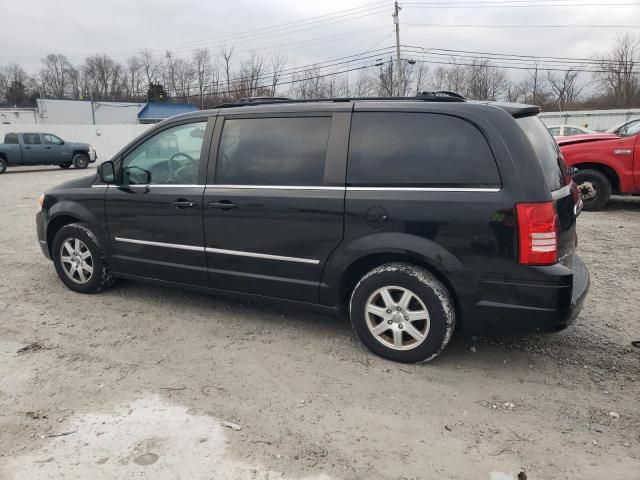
{"x":396,"y":21}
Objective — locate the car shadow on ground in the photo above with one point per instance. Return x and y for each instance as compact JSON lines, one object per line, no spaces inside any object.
{"x":620,"y":203}
{"x":464,"y":350}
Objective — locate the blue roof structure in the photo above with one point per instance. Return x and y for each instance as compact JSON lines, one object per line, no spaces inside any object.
{"x":160,"y":111}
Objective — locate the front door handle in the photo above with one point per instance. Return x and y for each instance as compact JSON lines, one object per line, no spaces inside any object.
{"x":181,"y":204}
{"x":223,"y":205}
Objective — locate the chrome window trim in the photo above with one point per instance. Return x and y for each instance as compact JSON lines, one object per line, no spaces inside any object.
{"x":218,"y":250}
{"x":276,"y":187}
{"x":424,"y":189}
{"x":357,"y":189}
{"x":319,"y":187}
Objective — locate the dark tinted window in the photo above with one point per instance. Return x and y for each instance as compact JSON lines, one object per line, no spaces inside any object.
{"x":546,"y":149}
{"x":419,"y":149}
{"x":273,"y":151}
{"x":51,"y":139}
{"x":31,"y":138}
{"x":11,"y":138}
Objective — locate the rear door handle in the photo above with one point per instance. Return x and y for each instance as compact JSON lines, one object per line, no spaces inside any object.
{"x":223,"y":205}
{"x":181,"y":204}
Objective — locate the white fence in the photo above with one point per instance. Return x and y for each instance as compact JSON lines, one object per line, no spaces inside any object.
{"x":599,"y":120}
{"x":106,"y":139}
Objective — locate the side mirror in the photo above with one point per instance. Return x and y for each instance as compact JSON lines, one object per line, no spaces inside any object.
{"x":136,"y":176}
{"x":107,"y":172}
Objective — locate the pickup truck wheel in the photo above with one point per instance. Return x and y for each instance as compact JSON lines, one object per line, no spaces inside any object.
{"x":65,"y":165}
{"x":80,"y":161}
{"x":594,"y":188}
{"x":402,"y":312}
{"x":3,"y":166}
{"x":80,"y":260}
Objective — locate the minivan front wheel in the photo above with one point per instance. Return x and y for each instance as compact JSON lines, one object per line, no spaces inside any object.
{"x":80,"y":260}
{"x":402,"y":312}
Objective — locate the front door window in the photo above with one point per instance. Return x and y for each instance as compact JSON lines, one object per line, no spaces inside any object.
{"x":170,"y":157}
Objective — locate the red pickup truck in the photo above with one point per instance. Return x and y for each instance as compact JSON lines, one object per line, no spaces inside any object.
{"x":606,"y":164}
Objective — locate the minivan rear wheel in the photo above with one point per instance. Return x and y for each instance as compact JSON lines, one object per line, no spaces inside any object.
{"x":594,"y":188}
{"x":402,"y":312}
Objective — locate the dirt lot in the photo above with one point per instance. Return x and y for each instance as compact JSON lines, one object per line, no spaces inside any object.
{"x":136,"y":382}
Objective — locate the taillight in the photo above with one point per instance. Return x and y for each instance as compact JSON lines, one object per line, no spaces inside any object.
{"x":537,"y":233}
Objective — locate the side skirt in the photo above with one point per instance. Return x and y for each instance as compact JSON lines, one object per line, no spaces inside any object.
{"x":227,"y":293}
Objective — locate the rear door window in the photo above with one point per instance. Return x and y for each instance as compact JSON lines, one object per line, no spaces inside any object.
{"x":273,"y":151}
{"x":31,"y":138}
{"x":418,"y":149}
{"x":546,"y":150}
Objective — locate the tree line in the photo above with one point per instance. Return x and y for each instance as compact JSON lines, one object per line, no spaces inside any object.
{"x":610,"y":79}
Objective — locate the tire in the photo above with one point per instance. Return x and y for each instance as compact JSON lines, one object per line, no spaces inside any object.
{"x":100,"y":276}
{"x":80,"y":161}
{"x":594,"y":188}
{"x":65,"y":165}
{"x":3,"y":166}
{"x":425,"y":294}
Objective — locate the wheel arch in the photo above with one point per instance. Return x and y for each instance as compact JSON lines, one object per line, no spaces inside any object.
{"x":67,"y":212}
{"x":608,"y":171}
{"x":347,"y":267}
{"x":79,"y":151}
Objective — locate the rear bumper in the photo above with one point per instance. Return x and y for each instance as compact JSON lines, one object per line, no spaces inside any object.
{"x":548,"y":304}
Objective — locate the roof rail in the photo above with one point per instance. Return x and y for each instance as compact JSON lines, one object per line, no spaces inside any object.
{"x":436,"y":96}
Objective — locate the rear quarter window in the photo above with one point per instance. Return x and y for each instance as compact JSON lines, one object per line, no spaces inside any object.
{"x":546,"y":150}
{"x":418,"y":149}
{"x":11,"y":138}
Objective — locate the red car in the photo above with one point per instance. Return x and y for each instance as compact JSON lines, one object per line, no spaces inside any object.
{"x":606,"y":164}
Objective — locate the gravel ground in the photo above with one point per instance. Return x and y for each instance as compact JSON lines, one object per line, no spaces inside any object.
{"x":146,"y":382}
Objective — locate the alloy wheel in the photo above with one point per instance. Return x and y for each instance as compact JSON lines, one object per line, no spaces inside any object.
{"x":76,"y":260}
{"x":397,"y":318}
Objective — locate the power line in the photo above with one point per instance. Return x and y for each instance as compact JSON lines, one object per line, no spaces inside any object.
{"x":439,"y":61}
{"x":538,"y":57}
{"x":262,"y":33}
{"x":484,"y":5}
{"x":459,"y":25}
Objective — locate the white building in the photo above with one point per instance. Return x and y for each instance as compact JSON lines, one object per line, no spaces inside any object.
{"x":87,"y":112}
{"x":23,"y":116}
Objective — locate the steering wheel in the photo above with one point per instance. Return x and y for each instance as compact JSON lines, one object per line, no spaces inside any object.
{"x":176,"y":167}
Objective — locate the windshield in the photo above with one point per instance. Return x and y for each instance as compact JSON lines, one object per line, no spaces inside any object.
{"x":546,"y":150}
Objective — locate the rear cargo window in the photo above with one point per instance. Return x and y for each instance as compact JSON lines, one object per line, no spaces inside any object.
{"x":418,"y":149}
{"x":546,"y":149}
{"x":11,"y":138}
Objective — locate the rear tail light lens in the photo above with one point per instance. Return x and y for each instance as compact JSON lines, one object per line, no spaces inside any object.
{"x":537,"y":233}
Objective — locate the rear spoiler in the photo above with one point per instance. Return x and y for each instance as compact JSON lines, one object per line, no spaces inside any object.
{"x":516,"y":110}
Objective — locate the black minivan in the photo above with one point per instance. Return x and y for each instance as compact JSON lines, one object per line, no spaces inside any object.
{"x":415,"y":215}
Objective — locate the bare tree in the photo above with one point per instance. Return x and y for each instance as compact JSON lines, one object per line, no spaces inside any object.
{"x":365,"y":84}
{"x":133,"y":74}
{"x":56,"y":75}
{"x":565,"y":87}
{"x":251,"y":72}
{"x":14,"y":84}
{"x":103,"y":78}
{"x":484,"y":81}
{"x":419,"y":78}
{"x":151,"y":67}
{"x":203,"y":71}
{"x":278,"y":62}
{"x":619,"y":78}
{"x":227,"y":54}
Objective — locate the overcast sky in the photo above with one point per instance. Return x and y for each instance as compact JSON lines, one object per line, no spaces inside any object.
{"x":29,"y":29}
